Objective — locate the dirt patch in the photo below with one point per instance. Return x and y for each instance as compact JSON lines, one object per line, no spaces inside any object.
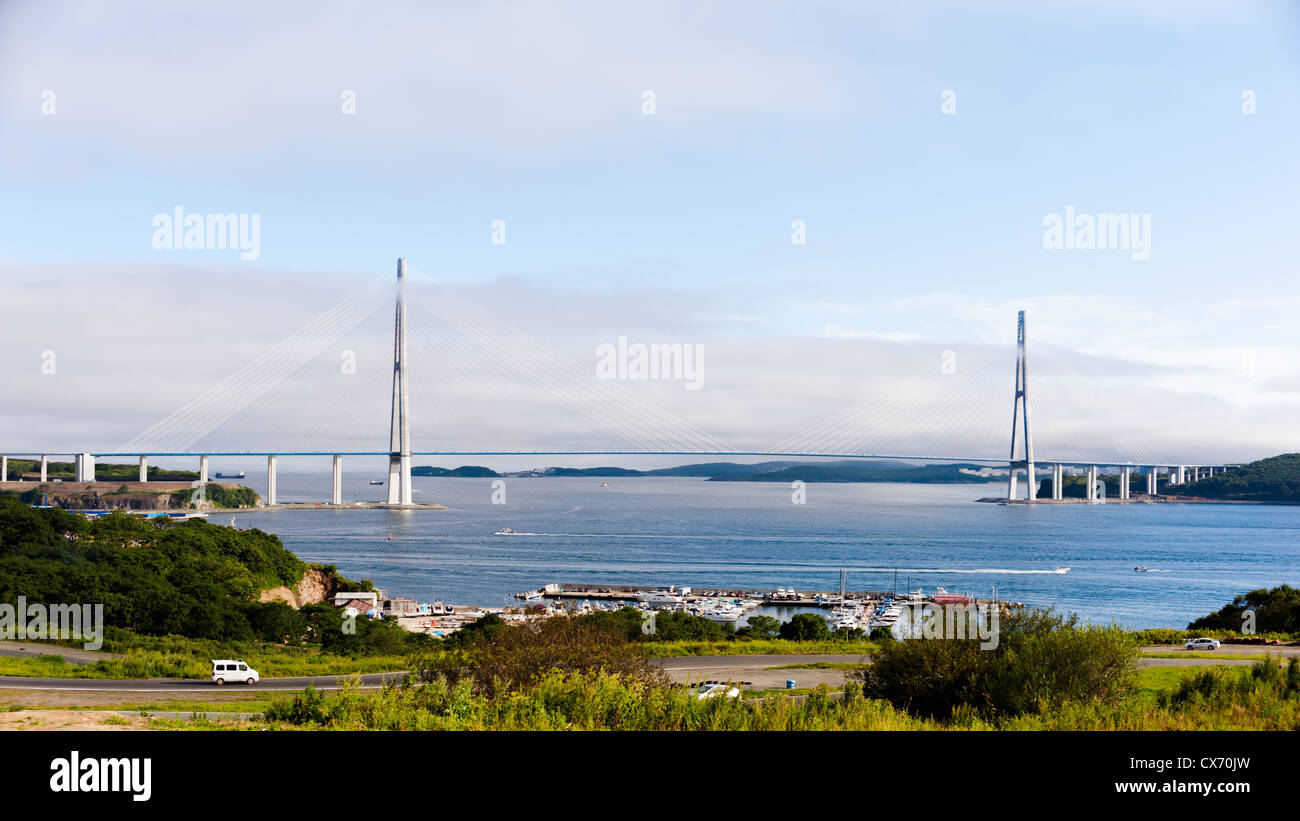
{"x":111,"y":698}
{"x":314,"y":587}
{"x":70,"y":720}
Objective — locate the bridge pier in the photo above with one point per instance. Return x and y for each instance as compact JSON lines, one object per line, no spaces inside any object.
{"x":1011,"y":486}
{"x":1057,"y":490}
{"x":144,"y":469}
{"x":4,"y":468}
{"x":1151,"y":480}
{"x":45,"y":468}
{"x":85,"y":467}
{"x":1124,"y":475}
{"x":1092,"y":483}
{"x":270,"y":480}
{"x":203,"y":469}
{"x":1182,"y":474}
{"x":336,"y":498}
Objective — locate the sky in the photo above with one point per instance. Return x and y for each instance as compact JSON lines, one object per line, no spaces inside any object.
{"x":843,"y":205}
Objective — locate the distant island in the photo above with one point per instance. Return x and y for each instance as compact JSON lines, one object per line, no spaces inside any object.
{"x":1272,"y":480}
{"x":847,"y":470}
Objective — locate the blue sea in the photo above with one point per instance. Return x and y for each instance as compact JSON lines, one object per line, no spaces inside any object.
{"x":702,"y":534}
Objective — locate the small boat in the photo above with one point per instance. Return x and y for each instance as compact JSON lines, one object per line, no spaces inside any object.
{"x":533,"y":596}
{"x":604,"y":484}
{"x":376,"y":481}
{"x":942,"y":596}
{"x":505,"y":531}
{"x":1141,"y":569}
{"x":1059,"y":569}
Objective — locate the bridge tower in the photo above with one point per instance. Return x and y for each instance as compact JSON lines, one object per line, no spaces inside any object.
{"x":1021,"y":403}
{"x":399,"y":456}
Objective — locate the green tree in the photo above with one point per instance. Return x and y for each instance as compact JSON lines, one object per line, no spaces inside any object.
{"x":806,"y":627}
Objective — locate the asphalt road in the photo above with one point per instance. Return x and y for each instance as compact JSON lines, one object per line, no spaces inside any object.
{"x":757,"y":670}
{"x":172,"y":685}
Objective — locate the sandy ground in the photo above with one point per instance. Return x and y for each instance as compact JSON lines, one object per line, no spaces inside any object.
{"x":69,"y":720}
{"x":110,"y":698}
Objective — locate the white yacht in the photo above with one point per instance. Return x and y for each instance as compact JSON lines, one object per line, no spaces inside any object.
{"x":660,"y":598}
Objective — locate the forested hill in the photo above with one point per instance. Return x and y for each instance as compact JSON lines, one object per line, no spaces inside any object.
{"x":1276,"y":479}
{"x":154,"y":576}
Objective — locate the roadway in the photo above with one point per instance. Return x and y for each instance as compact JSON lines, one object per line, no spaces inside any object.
{"x":760,"y":672}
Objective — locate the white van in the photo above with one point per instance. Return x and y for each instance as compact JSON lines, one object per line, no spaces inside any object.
{"x":224,"y":670}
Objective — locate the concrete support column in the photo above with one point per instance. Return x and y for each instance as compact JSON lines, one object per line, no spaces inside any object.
{"x":144,"y":468}
{"x":1056,"y":481}
{"x":1124,"y":475}
{"x":336,"y":497}
{"x":270,"y":480}
{"x":203,"y":469}
{"x":1182,"y":474}
{"x":1011,"y":485}
{"x":1092,"y":483}
{"x":45,"y":468}
{"x":85,"y":467}
{"x":1209,"y":473}
{"x":1031,"y":493}
{"x":4,"y":468}
{"x":1151,"y":480}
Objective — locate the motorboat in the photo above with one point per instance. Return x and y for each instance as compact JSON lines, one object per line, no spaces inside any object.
{"x":660,"y":598}
{"x":505,"y":531}
{"x":1059,"y":569}
{"x":1141,"y":569}
{"x":942,"y":596}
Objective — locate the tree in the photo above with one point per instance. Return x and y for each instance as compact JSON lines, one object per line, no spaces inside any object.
{"x":1276,"y":611}
{"x":761,"y":627}
{"x":806,"y":627}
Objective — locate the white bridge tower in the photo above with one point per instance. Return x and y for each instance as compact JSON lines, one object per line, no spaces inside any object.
{"x":399,"y":457}
{"x":1021,"y":402}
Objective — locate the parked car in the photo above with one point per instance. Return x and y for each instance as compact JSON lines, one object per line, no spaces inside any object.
{"x":714,"y":690}
{"x":1202,"y":644}
{"x":232,"y":670}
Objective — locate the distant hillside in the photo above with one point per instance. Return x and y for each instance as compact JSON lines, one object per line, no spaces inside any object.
{"x":104,"y":471}
{"x":843,"y":470}
{"x":1276,"y":479}
{"x":851,"y":472}
{"x":464,"y":471}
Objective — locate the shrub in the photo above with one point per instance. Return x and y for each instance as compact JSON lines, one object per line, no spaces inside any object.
{"x":514,"y":658}
{"x":1041,"y":661}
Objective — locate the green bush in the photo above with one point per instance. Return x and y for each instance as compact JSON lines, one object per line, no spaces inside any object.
{"x":1042,"y":660}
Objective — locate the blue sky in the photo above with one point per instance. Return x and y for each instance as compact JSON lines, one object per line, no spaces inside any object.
{"x":922,"y":228}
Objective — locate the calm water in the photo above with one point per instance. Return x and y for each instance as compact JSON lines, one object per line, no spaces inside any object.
{"x":688,"y":531}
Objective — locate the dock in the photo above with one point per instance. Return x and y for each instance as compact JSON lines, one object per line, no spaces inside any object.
{"x":780,"y":597}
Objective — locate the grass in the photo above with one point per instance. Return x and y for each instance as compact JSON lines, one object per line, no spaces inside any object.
{"x":756,"y":647}
{"x":1237,"y":698}
{"x":269,"y":661}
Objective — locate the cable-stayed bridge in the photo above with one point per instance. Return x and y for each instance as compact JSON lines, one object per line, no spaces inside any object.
{"x":646,"y":429}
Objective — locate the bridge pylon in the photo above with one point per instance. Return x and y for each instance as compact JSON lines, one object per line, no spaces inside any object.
{"x":399,"y":457}
{"x":1021,"y":404}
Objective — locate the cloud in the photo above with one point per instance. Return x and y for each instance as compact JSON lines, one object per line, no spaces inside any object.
{"x":134,"y":343}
